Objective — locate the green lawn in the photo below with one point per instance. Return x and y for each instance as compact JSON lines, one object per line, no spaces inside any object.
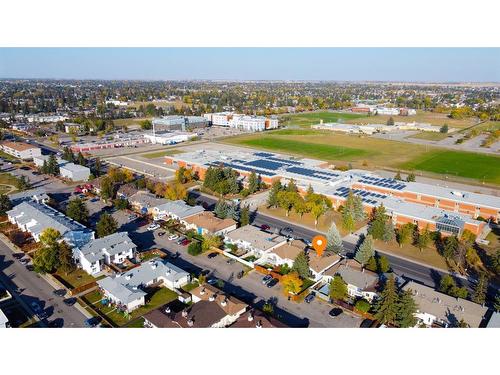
{"x":8,"y":157}
{"x":76,"y":278}
{"x":312,"y":118}
{"x":464,"y":164}
{"x":159,"y":154}
{"x":314,"y":150}
{"x":190,"y":286}
{"x":7,"y":179}
{"x":158,"y":298}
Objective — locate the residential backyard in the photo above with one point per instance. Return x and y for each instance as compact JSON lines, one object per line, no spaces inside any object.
{"x":155,"y":299}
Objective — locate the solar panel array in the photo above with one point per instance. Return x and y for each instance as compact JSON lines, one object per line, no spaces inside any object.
{"x":263,"y":154}
{"x":366,"y":196}
{"x":323,"y":175}
{"x":265,"y":164}
{"x":242,"y":167}
{"x":388,"y":183}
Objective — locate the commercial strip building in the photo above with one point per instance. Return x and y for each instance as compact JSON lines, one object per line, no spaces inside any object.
{"x":378,"y":128}
{"x":439,"y":208}
{"x":439,"y":309}
{"x":180,"y":122}
{"x":242,"y":122}
{"x":74,"y":172}
{"x":381,"y":110}
{"x":112,"y":249}
{"x":20,"y":150}
{"x":128,"y":289}
{"x":169,"y":138}
{"x":34,"y":218}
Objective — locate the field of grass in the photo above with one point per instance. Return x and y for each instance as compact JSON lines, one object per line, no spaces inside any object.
{"x":6,"y":156}
{"x":463,"y":164}
{"x":6,"y":181}
{"x":370,"y":153}
{"x":421,"y":116}
{"x":430,"y":136}
{"x":315,"y":150}
{"x":159,"y":154}
{"x":313,"y":118}
{"x":76,"y":278}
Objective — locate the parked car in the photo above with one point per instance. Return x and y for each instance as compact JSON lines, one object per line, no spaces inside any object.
{"x":160,"y":234}
{"x":18,"y":255}
{"x":69,"y":301}
{"x":212,"y":280}
{"x":272,"y":283}
{"x":287,"y":231}
{"x":212,"y":255}
{"x":153,"y":226}
{"x":230,"y":261}
{"x":30,"y":267}
{"x":367,"y":323}
{"x":185,"y":242}
{"x":35,"y":307}
{"x":58,"y":323}
{"x":335,"y":312}
{"x":24,"y":261}
{"x":173,"y":237}
{"x":59,"y":292}
{"x":265,"y":227}
{"x":266,"y":279}
{"x":92,"y":322}
{"x":240,"y":274}
{"x":180,"y":240}
{"x":132,"y":217}
{"x":310,"y":297}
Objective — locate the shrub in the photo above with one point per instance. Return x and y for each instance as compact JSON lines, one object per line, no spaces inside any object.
{"x":362,"y":305}
{"x":194,"y":248}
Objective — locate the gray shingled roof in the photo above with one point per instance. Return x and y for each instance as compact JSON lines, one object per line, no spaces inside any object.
{"x":113,"y":244}
{"x":38,"y":193}
{"x":180,"y":208}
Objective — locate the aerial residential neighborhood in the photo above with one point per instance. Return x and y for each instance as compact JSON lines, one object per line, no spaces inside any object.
{"x":249,"y":204}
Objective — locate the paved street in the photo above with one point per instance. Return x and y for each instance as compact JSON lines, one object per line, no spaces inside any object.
{"x":34,"y":289}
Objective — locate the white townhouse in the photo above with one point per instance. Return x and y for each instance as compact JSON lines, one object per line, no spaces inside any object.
{"x":112,"y":249}
{"x":254,"y":240}
{"x":128,"y":289}
{"x":177,"y":210}
{"x":20,"y":150}
{"x":34,"y":218}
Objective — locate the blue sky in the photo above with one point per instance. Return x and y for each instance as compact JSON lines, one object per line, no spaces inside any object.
{"x":349,"y":64}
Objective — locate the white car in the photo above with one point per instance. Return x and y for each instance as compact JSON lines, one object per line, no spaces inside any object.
{"x":173,"y":237}
{"x":153,"y":227}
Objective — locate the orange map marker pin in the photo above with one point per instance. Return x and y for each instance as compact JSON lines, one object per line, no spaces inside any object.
{"x":319,"y":244}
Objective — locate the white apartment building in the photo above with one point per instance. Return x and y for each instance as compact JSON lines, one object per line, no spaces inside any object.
{"x":74,"y":172}
{"x":20,"y":150}
{"x":241,"y":121}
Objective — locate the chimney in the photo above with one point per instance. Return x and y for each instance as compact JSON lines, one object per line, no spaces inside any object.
{"x":250,"y":317}
{"x":190,"y":322}
{"x":224,"y":302}
{"x":212,"y":298}
{"x":202,"y":291}
{"x":167,"y":310}
{"x":184,"y":314}
{"x":258,"y":324}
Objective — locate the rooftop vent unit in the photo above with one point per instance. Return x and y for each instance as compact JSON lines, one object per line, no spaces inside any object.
{"x":212,"y":298}
{"x":250,"y":317}
{"x":190,"y":322}
{"x":184,"y":314}
{"x":202,"y":291}
{"x":258,"y":324}
{"x":128,"y":277}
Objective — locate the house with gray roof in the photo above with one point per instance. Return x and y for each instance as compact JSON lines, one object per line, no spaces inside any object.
{"x":361,"y":283}
{"x":436,"y":309}
{"x":112,"y":249}
{"x":129,"y":289}
{"x":254,"y":240}
{"x":34,"y":218}
{"x":177,"y":210}
{"x":38,"y":195}
{"x":144,"y":202}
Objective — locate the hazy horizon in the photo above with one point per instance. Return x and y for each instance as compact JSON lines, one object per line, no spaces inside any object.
{"x":356,"y":65}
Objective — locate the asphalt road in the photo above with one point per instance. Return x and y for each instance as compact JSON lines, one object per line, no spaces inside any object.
{"x":401,"y":267}
{"x":31,"y":288}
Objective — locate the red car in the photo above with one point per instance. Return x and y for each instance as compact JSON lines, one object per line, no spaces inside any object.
{"x":185,"y":242}
{"x":265,"y":227}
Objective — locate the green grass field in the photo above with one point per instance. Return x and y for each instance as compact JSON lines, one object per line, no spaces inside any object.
{"x":318,"y":151}
{"x":312,"y":118}
{"x":159,"y":154}
{"x":430,"y":136}
{"x":464,"y":164}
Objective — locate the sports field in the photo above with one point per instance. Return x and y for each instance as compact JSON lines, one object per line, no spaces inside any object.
{"x":313,"y":118}
{"x":372,"y":153}
{"x":437,"y":119}
{"x":430,"y":136}
{"x":484,"y":168}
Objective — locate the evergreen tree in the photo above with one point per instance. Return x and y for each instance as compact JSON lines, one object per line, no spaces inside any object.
{"x":52,"y":165}
{"x":389,"y":232}
{"x":410,"y":177}
{"x":81,"y":159}
{"x":107,"y":188}
{"x":77,"y":210}
{"x":383,"y":264}
{"x":404,"y":234}
{"x":347,"y":220}
{"x":386,"y":306}
{"x":372,"y":264}
{"x":334,"y":240}
{"x":406,"y":310}
{"x":450,"y":247}
{"x":365,"y":250}
{"x":390,"y":122}
{"x":244,"y":216}
{"x":98,"y":167}
{"x":232,"y":212}
{"x":398,"y":176}
{"x":5,"y":204}
{"x":23,"y":183}
{"x":301,"y":265}
{"x":424,"y":239}
{"x":338,"y":288}
{"x":253,"y":183}
{"x":272,"y":199}
{"x":309,"y":192}
{"x":221,"y":209}
{"x":378,"y":224}
{"x":106,"y":225}
{"x":358,"y":211}
{"x":479,"y":295}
